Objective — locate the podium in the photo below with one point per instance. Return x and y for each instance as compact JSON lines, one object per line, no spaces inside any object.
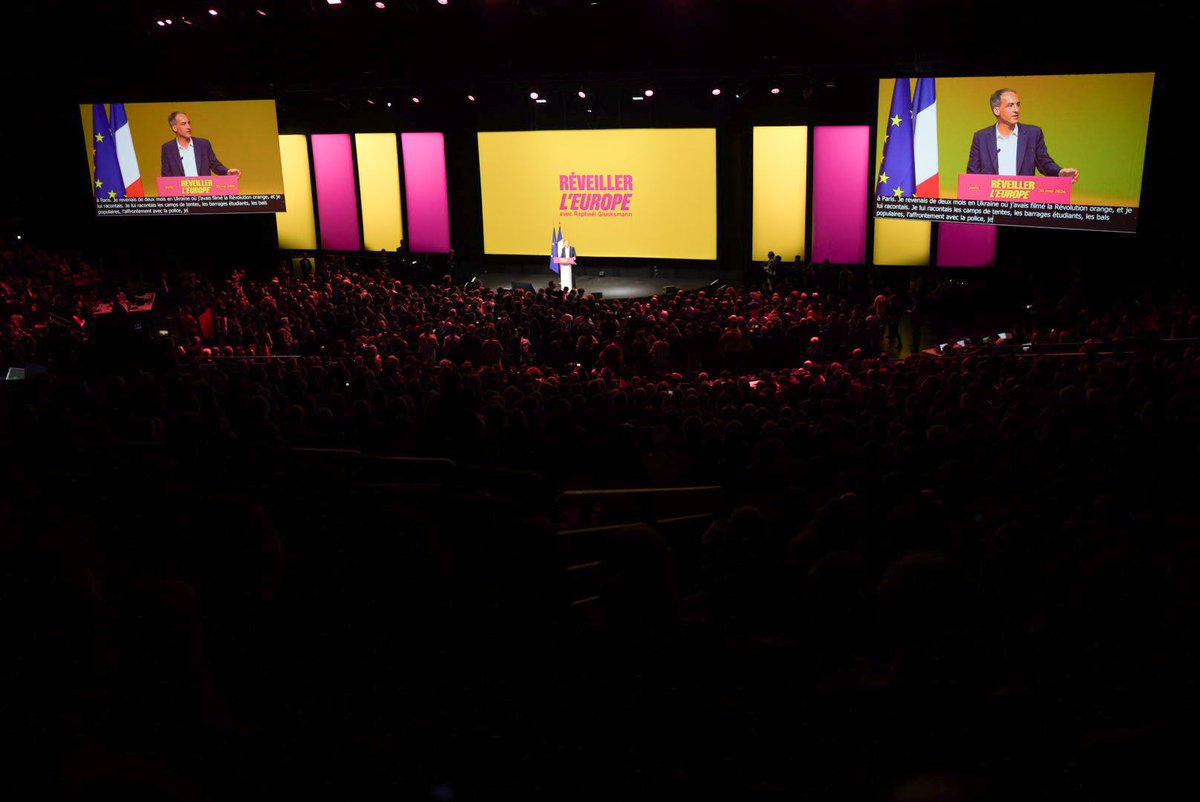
{"x":175,"y":186}
{"x":566,"y":271}
{"x":1014,"y":188}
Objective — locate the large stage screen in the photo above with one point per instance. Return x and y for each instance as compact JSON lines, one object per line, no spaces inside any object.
{"x":635,"y":193}
{"x":159,"y":159}
{"x":1050,"y":151}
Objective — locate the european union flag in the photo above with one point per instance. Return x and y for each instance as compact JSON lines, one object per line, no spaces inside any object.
{"x":107,"y":184}
{"x":897,"y":175}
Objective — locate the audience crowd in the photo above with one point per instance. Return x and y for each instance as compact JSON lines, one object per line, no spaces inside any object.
{"x":932,"y":578}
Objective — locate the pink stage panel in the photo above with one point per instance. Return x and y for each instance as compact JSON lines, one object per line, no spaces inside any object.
{"x":337,"y":204}
{"x":840,"y":184}
{"x":966,"y":245}
{"x":426,"y":198}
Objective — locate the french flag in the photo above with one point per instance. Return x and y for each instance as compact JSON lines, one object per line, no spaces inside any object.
{"x":130,"y":174}
{"x":925,"y":140}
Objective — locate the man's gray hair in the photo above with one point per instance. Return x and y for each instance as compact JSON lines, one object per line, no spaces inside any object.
{"x":999,"y":93}
{"x":171,"y":118}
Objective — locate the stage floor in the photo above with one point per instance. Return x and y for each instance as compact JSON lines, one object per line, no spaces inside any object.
{"x":620,"y":286}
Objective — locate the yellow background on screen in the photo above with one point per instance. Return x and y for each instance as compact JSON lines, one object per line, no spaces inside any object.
{"x":780,"y":190}
{"x":674,"y":201}
{"x":244,"y":134}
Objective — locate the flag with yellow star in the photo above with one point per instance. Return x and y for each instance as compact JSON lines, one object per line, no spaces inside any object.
{"x":107,"y":183}
{"x":897,"y":173}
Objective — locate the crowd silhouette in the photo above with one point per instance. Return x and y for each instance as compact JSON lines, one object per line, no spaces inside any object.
{"x":321,"y":536}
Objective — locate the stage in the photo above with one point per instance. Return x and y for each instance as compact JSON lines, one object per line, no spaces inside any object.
{"x":627,"y":283}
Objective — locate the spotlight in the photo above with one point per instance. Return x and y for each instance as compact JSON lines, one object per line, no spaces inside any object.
{"x":260,"y":12}
{"x":775,"y":90}
{"x":649,"y":93}
{"x":389,"y":104}
{"x":212,"y":12}
{"x":161,"y":24}
{"x":416,"y":99}
{"x":443,"y":2}
{"x":533,"y":95}
{"x":168,"y":22}
{"x":370,"y":102}
{"x":541,"y":100}
{"x":581,"y":93}
{"x":334,"y":2}
{"x":716,"y":92}
{"x":380,"y":4}
{"x":471,"y":98}
{"x":638,"y":97}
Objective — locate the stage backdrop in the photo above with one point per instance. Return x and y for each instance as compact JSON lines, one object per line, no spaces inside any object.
{"x":243,"y":134}
{"x":632,"y":193}
{"x":1094,"y":123}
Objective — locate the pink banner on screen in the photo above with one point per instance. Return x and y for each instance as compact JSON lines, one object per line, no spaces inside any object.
{"x":337,"y":202}
{"x":1014,"y":188}
{"x":966,"y":245}
{"x":425,"y":193}
{"x":839,"y":206}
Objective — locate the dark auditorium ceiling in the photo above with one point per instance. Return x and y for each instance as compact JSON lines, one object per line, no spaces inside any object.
{"x":307,"y":45}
